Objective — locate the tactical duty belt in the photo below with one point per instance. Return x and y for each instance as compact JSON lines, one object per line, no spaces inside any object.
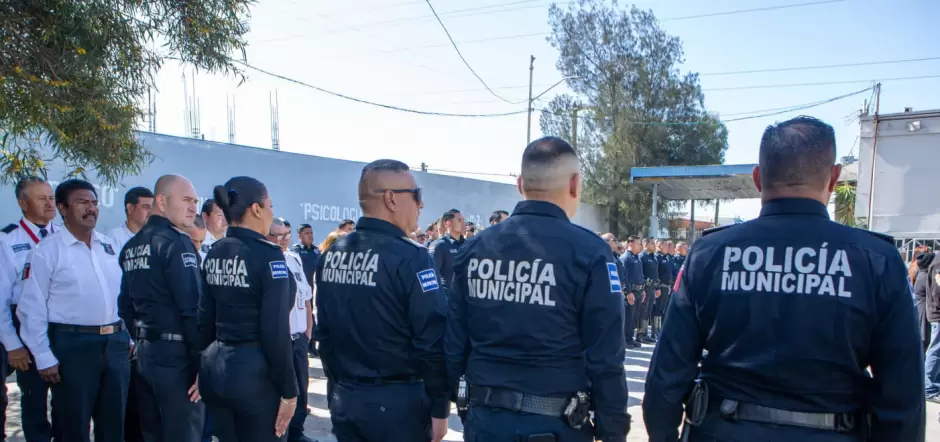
{"x":516,"y":401}
{"x":838,"y":422}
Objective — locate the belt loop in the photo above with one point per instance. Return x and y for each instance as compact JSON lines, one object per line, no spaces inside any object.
{"x":486,"y":397}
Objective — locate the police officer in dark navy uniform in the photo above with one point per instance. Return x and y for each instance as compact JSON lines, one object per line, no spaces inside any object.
{"x":792,"y":308}
{"x":445,"y":248}
{"x":308,"y":251}
{"x":536,"y":320}
{"x":634,"y":282}
{"x":381,"y":318}
{"x":665,"y":285}
{"x":650,"y":266}
{"x":247,"y":373}
{"x":160,"y":292}
{"x":629,"y":299}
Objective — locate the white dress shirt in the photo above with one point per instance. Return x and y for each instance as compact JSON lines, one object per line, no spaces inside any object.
{"x":120,"y":235}
{"x":298,"y":313}
{"x":14,"y":253}
{"x":68,"y":283}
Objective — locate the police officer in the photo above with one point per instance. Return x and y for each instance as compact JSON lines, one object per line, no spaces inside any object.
{"x":159,"y":297}
{"x":635,"y":282}
{"x":215,"y":223}
{"x":792,"y":308}
{"x":301,"y":325}
{"x":445,"y":247}
{"x":536,"y":321}
{"x":665,"y":285}
{"x":36,"y":200}
{"x":247,"y":375}
{"x":70,"y":322}
{"x":650,"y":265}
{"x":678,"y":259}
{"x":307,"y":250}
{"x":381,"y":318}
{"x":629,"y":299}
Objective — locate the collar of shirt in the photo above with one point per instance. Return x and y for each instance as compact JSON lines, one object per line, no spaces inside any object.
{"x":379,"y":226}
{"x":794,"y":206}
{"x":68,"y":239}
{"x":34,"y":229}
{"x":301,"y":246}
{"x":542,"y":208}
{"x":243,"y":233}
{"x":450,"y":238}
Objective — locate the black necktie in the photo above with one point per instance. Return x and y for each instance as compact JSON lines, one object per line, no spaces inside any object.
{"x":43,"y":232}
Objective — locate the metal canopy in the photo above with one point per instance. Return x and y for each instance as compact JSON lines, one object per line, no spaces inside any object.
{"x":723,"y":181}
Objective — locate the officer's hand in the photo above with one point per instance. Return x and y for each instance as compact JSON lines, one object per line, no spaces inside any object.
{"x":285,"y":412}
{"x":19,"y":359}
{"x":132,"y":348}
{"x":659,"y":293}
{"x":194,"y":391}
{"x":438,"y":429}
{"x":643,"y":299}
{"x":631,"y":298}
{"x":51,"y":374}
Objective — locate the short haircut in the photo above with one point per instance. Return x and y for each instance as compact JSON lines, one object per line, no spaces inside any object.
{"x":497,"y":215}
{"x":346,"y":222}
{"x":134,"y":195}
{"x":208,"y":206}
{"x":548,"y":164}
{"x":238,"y":195}
{"x":286,"y":223}
{"x":199,"y":222}
{"x":23,"y":183}
{"x":797,"y":153}
{"x":65,"y":189}
{"x":609,"y":237}
{"x":383,"y":165}
{"x":277,"y":222}
{"x":304,"y":226}
{"x":632,"y":238}
{"x":449,"y":215}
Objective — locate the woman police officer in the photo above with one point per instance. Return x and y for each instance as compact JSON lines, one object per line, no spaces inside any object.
{"x":247,"y":376}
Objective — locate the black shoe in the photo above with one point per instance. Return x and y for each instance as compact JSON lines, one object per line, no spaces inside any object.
{"x":637,"y":345}
{"x":648,"y":340}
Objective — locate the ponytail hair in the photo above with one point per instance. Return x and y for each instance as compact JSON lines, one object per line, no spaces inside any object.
{"x":237,"y":196}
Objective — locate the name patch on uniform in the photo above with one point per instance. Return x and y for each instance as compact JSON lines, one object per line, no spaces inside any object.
{"x":189,"y":260}
{"x":20,"y":248}
{"x":523,"y":282}
{"x":136,"y":258}
{"x":107,"y":248}
{"x":279,"y":269}
{"x":355,"y":268}
{"x":614,"y":276}
{"x":788,"y":270}
{"x":25,"y":272}
{"x":227,"y":272}
{"x":428,"y":280}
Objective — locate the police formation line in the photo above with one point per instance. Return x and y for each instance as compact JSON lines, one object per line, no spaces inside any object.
{"x":525,"y":325}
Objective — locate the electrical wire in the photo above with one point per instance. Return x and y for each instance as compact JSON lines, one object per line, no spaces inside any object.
{"x":824,"y":83}
{"x":465,"y":62}
{"x":372,"y":103}
{"x":800,"y":108}
{"x":472,"y":173}
{"x":826,"y":66}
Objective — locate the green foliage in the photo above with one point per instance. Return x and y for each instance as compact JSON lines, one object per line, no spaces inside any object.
{"x":634,"y":107}
{"x":72,"y":74}
{"x":844,"y":199}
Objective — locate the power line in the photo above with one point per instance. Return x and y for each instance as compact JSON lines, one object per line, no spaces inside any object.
{"x":372,"y":103}
{"x":801,"y":107}
{"x":823,"y":83}
{"x":467,"y":64}
{"x":744,"y":11}
{"x":824,"y":66}
{"x":472,"y":173}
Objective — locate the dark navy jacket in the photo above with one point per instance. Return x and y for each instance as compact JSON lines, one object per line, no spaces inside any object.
{"x":380,"y":310}
{"x":665,"y":269}
{"x":443,"y":251}
{"x":677,"y":262}
{"x":248,"y":298}
{"x":308,"y":258}
{"x":792,"y":308}
{"x":650,"y":265}
{"x":634,"y":269}
{"x":537,"y":308}
{"x":161,"y":284}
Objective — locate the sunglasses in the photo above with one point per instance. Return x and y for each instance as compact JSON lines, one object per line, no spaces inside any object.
{"x":416,"y":192}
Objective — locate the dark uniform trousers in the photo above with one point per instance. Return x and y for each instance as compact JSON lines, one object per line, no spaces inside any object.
{"x":242,"y":402}
{"x":5,"y":370}
{"x":486,"y":424}
{"x":390,"y":412}
{"x":716,"y":429}
{"x":638,"y":309}
{"x":166,"y":367}
{"x":95,"y":371}
{"x":302,"y":369}
{"x":142,"y":420}
{"x":647,"y":313}
{"x":629,"y":323}
{"x":34,"y":397}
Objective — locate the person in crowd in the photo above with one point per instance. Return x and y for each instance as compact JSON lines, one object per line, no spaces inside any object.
{"x":636,"y":284}
{"x":433,"y":232}
{"x":923,"y":261}
{"x":301,"y":325}
{"x":859,"y":375}
{"x":421,"y":236}
{"x":629,"y":298}
{"x":912,"y":266}
{"x":346,"y":226}
{"x":247,"y":377}
{"x":330,"y":239}
{"x":932,"y":357}
{"x":381,"y":319}
{"x":70,"y":323}
{"x":138,"y":203}
{"x":160,"y":292}
{"x":215,"y":223}
{"x":37,"y":203}
{"x":307,"y":250}
{"x":197,"y":234}
{"x":650,"y":266}
{"x":444,"y":249}
{"x":498,"y":216}
{"x":564,"y":310}
{"x":470,"y":230}
{"x":665,"y":285}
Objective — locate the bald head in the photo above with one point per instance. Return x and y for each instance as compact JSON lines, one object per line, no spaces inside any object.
{"x":388,"y":191}
{"x":175,"y":199}
{"x":167,"y":184}
{"x":548,"y":164}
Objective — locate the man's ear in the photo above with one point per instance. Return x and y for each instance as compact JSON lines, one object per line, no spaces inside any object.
{"x":755,"y":175}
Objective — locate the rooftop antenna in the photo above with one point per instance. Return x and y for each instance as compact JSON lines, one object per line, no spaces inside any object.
{"x":275,"y":121}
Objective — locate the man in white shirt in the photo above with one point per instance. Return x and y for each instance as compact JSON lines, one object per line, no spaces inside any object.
{"x":37,"y":202}
{"x":197,"y":233}
{"x":215,"y":223}
{"x":301,"y":325}
{"x":70,"y":321}
{"x":138,"y":202}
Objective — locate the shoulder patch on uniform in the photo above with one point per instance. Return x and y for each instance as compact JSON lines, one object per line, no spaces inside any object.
{"x":614,"y":276}
{"x":278,"y":269}
{"x":21,"y":247}
{"x":189,"y":260}
{"x":428,"y":280}
{"x":888,"y":238}
{"x":9,"y":228}
{"x":25,"y":272}
{"x":412,"y":242}
{"x":107,"y":248}
{"x":717,"y":229}
{"x":205,"y":248}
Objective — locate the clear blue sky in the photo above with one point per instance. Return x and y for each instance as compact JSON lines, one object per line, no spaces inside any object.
{"x":392,"y":51}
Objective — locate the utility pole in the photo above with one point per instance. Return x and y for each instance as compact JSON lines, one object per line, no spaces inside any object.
{"x":528,"y":138}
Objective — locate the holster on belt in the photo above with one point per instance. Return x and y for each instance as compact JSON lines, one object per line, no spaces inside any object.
{"x":696,"y":406}
{"x":463,"y":404}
